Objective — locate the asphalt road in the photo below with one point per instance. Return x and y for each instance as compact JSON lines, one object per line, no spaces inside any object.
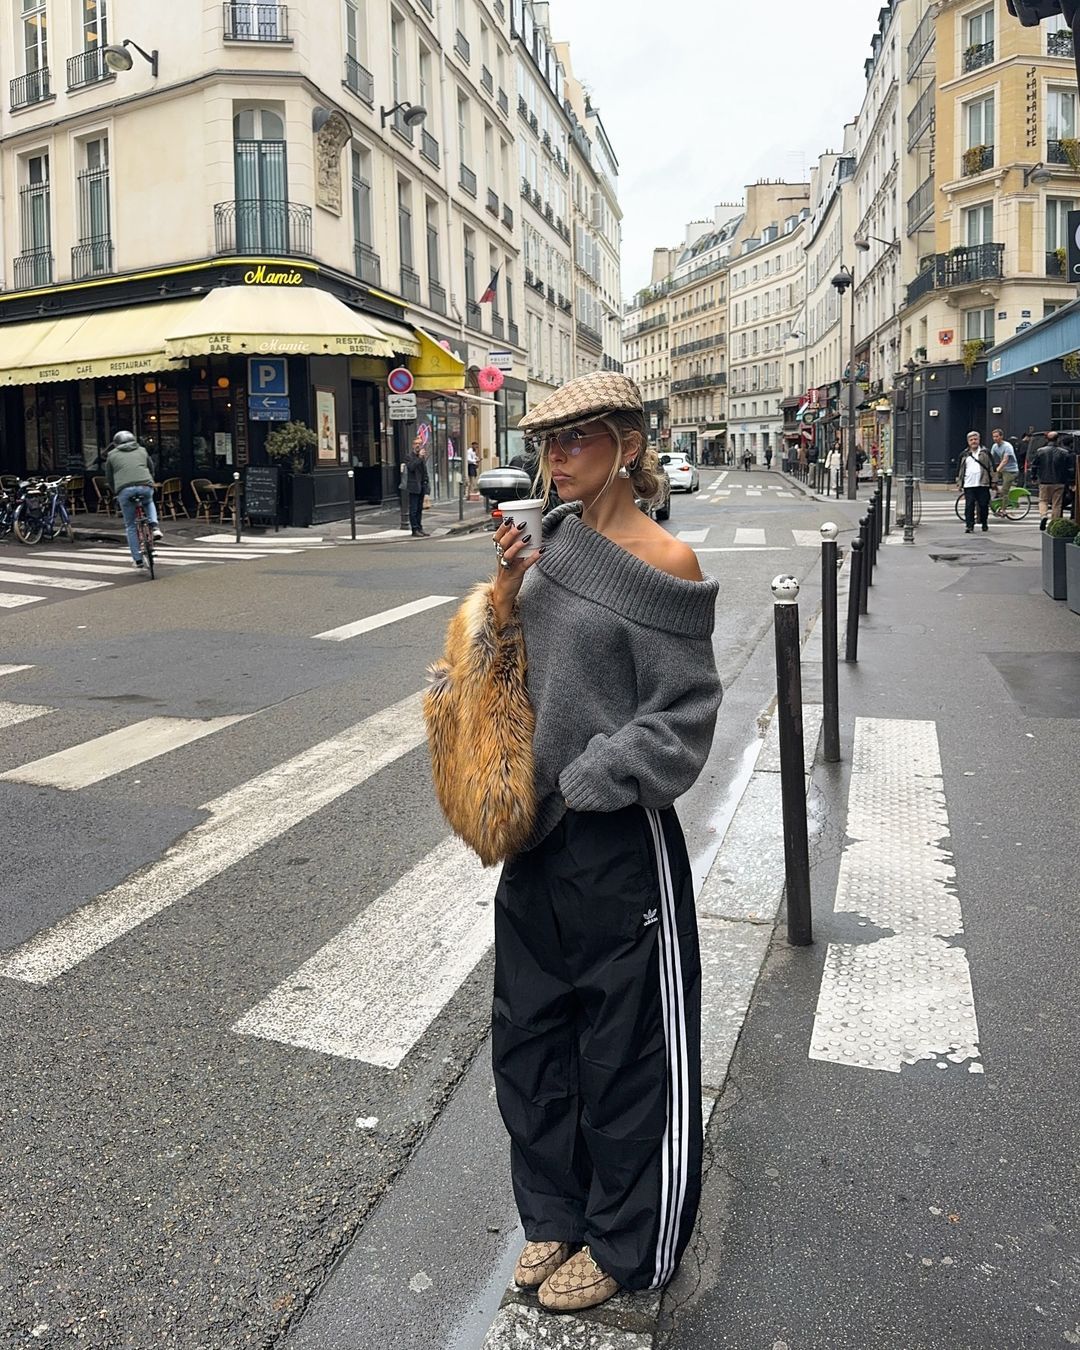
{"x":208,"y":1091}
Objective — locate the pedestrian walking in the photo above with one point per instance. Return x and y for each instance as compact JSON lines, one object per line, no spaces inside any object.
{"x":1005,"y":462}
{"x":472,"y":460}
{"x":419,"y":485}
{"x":747,"y":460}
{"x":596,"y":1017}
{"x":1050,"y":467}
{"x":834,"y":464}
{"x":768,"y":457}
{"x":974,"y":474}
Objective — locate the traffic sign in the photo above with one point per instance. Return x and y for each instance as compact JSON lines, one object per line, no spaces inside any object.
{"x":402,"y":407}
{"x":400,"y":380}
{"x":268,"y":375}
{"x":268,"y":408}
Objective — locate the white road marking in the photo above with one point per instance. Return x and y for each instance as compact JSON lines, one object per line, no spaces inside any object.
{"x":11,"y":714}
{"x":753,"y":492}
{"x":724,"y":492}
{"x":14,"y":670}
{"x":350,"y":630}
{"x":745,"y":548}
{"x":749,"y":536}
{"x":720,"y":477}
{"x":122,"y":560}
{"x":107,"y":569}
{"x":807,"y":538}
{"x":116,"y":752}
{"x":375,"y":988}
{"x":185,"y":551}
{"x":694,"y":536}
{"x":903,"y":995}
{"x":226,"y":541}
{"x":239,"y":823}
{"x":57,"y":583}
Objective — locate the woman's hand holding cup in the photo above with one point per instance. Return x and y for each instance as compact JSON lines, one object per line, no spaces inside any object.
{"x":517,"y":551}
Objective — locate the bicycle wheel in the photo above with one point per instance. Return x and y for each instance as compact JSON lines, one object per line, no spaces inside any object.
{"x":146,"y":545}
{"x":28,"y":529}
{"x":960,"y":507}
{"x":1019,"y":504}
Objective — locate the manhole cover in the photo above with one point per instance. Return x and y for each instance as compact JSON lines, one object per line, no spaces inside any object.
{"x":973,"y":559}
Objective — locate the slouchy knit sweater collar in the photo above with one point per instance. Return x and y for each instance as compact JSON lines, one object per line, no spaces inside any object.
{"x":586,"y":563}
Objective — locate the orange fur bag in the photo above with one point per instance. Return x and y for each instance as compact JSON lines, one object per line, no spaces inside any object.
{"x":480,"y":727}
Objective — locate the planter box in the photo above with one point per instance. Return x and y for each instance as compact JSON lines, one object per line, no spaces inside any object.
{"x":1054,"y":552}
{"x":1072,"y":576}
{"x":301,"y":494}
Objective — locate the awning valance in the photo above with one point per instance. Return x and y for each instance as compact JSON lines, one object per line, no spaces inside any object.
{"x":89,"y":346}
{"x":402,"y":339}
{"x":262,"y":321}
{"x":436,"y":368}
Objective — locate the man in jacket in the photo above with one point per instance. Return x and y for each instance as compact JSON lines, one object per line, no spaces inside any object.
{"x":419,"y":485}
{"x":129,"y":472}
{"x":974,"y":474}
{"x":1050,"y":467}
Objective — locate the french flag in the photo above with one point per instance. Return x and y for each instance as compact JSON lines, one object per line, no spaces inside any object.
{"x":492,"y":293}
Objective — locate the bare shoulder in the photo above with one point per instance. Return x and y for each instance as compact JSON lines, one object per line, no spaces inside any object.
{"x":660,"y":550}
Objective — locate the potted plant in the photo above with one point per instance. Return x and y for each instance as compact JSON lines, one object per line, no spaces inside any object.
{"x":973,"y":159}
{"x":970,"y":353}
{"x":1071,"y":148}
{"x":1061,"y":258}
{"x":1057,"y":536}
{"x":1072,"y":574}
{"x":1070,"y":364}
{"x":292,"y":445}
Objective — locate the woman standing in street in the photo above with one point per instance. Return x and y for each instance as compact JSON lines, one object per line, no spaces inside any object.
{"x":596,"y":1019}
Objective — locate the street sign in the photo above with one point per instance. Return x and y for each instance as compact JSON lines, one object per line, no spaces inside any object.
{"x":268,"y":408}
{"x":501,"y":360}
{"x":400,"y":381}
{"x":402,"y":407}
{"x":268,"y":375}
{"x":1073,"y":250}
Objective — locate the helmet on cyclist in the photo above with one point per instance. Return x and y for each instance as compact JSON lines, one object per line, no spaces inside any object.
{"x":123,"y":438}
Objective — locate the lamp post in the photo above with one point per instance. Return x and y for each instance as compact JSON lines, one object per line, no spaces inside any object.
{"x":844,"y":278}
{"x":909,"y":476}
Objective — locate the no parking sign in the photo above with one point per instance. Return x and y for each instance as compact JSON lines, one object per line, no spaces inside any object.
{"x":400,"y":381}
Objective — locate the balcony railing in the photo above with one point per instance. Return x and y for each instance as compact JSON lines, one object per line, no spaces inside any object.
{"x":963,"y":266}
{"x":647,"y":326}
{"x":699,"y":382}
{"x":497,"y":329}
{"x":699,"y":345}
{"x":922,"y":115}
{"x":410,"y":285}
{"x":609,"y":363}
{"x":507,"y":217}
{"x":467,"y":179}
{"x":473,"y":317}
{"x":34,"y":268}
{"x":512,"y":332}
{"x":92,"y":258}
{"x":487,"y":79}
{"x":461,"y":46}
{"x":367,"y":264}
{"x":401,"y":126}
{"x":1055,"y":262}
{"x":437,"y":297}
{"x":978,"y":54}
{"x":429,"y":147}
{"x":976,"y":159}
{"x":246,"y":22}
{"x":492,"y":202}
{"x":87,"y":68}
{"x":1056,"y":153}
{"x":30,"y":88}
{"x":588,"y":336}
{"x":499,"y":8}
{"x":359,"y":80}
{"x":920,"y":206}
{"x":503,"y":102}
{"x":921,"y":44}
{"x":250,"y":225}
{"x":1060,"y":43}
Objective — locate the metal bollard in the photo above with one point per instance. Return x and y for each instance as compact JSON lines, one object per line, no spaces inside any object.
{"x":888,"y":502}
{"x":864,"y":569}
{"x":851,"y":646}
{"x":237,"y":512}
{"x":403,"y":495}
{"x":829,"y":637}
{"x":909,"y":509}
{"x":461,"y":496}
{"x":880,"y":508}
{"x":785,"y":591}
{"x":871,"y":539}
{"x":352,"y":501}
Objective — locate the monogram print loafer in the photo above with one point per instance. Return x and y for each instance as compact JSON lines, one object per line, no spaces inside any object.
{"x":537,"y":1261}
{"x":578,"y":1284}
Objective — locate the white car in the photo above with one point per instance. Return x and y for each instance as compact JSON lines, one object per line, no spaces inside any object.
{"x":681,"y":472}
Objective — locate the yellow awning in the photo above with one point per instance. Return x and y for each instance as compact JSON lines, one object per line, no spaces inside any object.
{"x":286,"y":321}
{"x":435,"y":367}
{"x":401,"y":337}
{"x":85,"y":346}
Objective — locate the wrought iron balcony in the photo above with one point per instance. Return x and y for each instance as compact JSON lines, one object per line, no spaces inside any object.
{"x":34,"y":268}
{"x":507,"y":217}
{"x":473,"y":316}
{"x":467,"y":179}
{"x":497,"y":329}
{"x":921,"y":44}
{"x":1055,"y":262}
{"x":977,"y":158}
{"x":503,"y":102}
{"x":978,"y":54}
{"x":359,"y":80}
{"x":436,"y":297}
{"x":410,"y":285}
{"x":487,"y":79}
{"x":429,"y":147}
{"x":461,"y":46}
{"x":961,"y":267}
{"x":920,"y":206}
{"x":922,"y":115}
{"x":249,"y":225}
{"x":499,"y":8}
{"x":699,"y":345}
{"x":1057,"y":153}
{"x":609,"y":363}
{"x":699,"y":382}
{"x":589,"y":337}
{"x":246,"y":22}
{"x":1060,"y":43}
{"x":512,"y":332}
{"x":30,"y":88}
{"x":401,"y":127}
{"x":492,"y":202}
{"x":87,"y":68}
{"x":92,"y":258}
{"x":366,"y":263}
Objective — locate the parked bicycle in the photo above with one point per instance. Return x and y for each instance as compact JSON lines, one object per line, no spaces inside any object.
{"x":42,"y":512}
{"x":9,"y":501}
{"x":1015,"y":508}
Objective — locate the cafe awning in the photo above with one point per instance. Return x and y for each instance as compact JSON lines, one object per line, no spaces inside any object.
{"x":118,"y":342}
{"x":403,"y":339}
{"x":264,"y":320}
{"x":436,"y":368}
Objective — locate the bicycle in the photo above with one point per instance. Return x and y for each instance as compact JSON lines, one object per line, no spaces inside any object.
{"x":144,"y":530}
{"x":1016,"y":508}
{"x":42,"y":512}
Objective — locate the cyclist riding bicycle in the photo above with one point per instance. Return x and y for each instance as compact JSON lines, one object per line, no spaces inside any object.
{"x":129,"y":471}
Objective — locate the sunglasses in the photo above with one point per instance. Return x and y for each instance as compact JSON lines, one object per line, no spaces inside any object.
{"x":572,"y":441}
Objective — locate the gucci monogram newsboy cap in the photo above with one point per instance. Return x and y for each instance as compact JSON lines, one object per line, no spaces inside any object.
{"x":589,"y":396}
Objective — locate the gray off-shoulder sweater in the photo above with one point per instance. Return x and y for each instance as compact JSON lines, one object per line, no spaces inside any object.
{"x":621,"y":674}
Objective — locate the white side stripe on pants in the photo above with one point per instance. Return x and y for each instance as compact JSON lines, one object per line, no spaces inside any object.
{"x":674,"y":1163}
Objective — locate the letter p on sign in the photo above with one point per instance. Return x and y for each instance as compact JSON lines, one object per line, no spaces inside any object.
{"x":268,"y":375}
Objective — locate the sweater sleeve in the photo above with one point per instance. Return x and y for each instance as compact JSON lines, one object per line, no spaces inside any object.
{"x":658,"y":755}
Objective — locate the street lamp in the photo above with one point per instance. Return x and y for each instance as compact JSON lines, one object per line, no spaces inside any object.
{"x":909,"y":478}
{"x":843,"y":279}
{"x":1038,"y":174}
{"x":412,"y":114}
{"x":118,"y":58}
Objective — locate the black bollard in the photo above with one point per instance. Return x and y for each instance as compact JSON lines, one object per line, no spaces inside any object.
{"x":829,"y":637}
{"x":352,"y":501}
{"x":864,"y":569}
{"x":909,"y":509}
{"x":785,"y":591}
{"x":888,"y":502}
{"x":851,"y":648}
{"x":237,"y":511}
{"x":871,"y":539}
{"x":461,"y":496}
{"x":880,"y":508}
{"x":403,"y":496}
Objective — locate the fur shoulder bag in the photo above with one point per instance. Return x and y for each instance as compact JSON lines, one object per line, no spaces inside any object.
{"x":480,"y":727}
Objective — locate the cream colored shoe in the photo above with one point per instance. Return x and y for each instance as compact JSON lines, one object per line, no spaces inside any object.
{"x":537,"y":1261}
{"x":578,"y":1284}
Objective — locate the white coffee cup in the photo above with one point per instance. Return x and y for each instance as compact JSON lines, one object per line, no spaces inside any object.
{"x":528,"y":514}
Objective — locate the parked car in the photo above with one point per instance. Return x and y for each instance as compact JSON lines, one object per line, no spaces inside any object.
{"x":660,"y":506}
{"x":681,"y":473}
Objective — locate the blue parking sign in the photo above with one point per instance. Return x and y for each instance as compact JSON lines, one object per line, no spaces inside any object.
{"x":268,"y":375}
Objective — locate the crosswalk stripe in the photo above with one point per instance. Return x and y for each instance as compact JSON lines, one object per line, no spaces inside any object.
{"x":116,"y":752}
{"x":225,"y":542}
{"x":693,"y":536}
{"x":750,"y":536}
{"x":373,"y":990}
{"x":166,"y":552}
{"x":373,"y":621}
{"x":753,"y":492}
{"x":109,"y":569}
{"x":745,"y":548}
{"x":807,"y":538}
{"x":13,"y":670}
{"x":57,"y":583}
{"x":11,"y":714}
{"x":121,"y":562}
{"x":239,"y":822}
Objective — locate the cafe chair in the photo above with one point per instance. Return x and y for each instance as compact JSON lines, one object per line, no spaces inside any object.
{"x":172,"y":499}
{"x":206,"y":498}
{"x":103,"y":498}
{"x":228,"y":505}
{"x":76,"y":490}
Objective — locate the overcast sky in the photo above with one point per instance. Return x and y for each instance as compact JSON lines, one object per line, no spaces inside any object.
{"x":704,"y":96}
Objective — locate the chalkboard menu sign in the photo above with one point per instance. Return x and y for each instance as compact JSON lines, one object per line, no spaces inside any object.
{"x":261,"y":492}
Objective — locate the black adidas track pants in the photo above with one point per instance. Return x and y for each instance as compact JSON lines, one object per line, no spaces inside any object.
{"x":596,"y":1039}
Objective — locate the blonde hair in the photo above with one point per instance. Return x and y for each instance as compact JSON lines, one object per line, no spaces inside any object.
{"x":644,"y":468}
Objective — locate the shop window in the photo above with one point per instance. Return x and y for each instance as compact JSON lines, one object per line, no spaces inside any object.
{"x":212,"y":420}
{"x":1064,"y":409}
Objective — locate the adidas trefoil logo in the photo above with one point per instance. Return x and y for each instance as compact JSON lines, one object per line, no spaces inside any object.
{"x":651,"y":916}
